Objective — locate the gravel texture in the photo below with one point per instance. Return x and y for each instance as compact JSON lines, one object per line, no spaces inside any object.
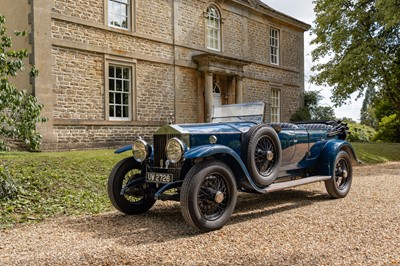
{"x":299,"y":226}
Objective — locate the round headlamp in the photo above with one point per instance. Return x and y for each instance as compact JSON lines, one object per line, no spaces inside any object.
{"x":175,"y":149}
{"x":141,"y":150}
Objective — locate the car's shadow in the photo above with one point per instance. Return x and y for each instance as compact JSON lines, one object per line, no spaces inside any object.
{"x":164,"y":221}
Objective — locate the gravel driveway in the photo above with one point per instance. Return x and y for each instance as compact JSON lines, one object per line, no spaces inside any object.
{"x":300,"y":226}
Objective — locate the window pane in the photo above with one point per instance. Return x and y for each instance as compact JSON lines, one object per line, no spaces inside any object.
{"x":118,"y":111}
{"x":126,"y":86}
{"x":118,"y":98}
{"x":111,"y":71}
{"x":125,"y":72}
{"x":118,"y":85}
{"x":112,"y":112}
{"x":111,"y":85}
{"x":111,"y":97}
{"x":126,"y":111}
{"x":118,"y":72}
{"x":125,"y":98}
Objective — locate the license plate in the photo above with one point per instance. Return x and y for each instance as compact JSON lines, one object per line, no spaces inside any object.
{"x":159,"y":177}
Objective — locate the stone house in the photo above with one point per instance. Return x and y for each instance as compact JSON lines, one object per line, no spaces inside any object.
{"x":114,"y":69}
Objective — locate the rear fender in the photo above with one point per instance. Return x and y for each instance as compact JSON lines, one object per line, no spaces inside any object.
{"x":326,"y":160}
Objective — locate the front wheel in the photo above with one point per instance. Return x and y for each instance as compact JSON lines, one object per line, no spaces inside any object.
{"x":126,"y":191}
{"x":339,"y":185}
{"x":208,"y":196}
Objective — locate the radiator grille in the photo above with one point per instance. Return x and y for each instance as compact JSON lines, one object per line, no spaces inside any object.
{"x":159,"y":148}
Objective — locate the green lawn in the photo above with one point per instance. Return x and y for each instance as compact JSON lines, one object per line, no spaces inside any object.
{"x":48,"y":184}
{"x":54,"y":183}
{"x":371,"y":153}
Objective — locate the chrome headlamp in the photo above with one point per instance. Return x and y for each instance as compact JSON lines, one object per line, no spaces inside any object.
{"x":175,"y":149}
{"x":141,"y":150}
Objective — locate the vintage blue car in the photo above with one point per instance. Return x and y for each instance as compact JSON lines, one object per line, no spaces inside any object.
{"x":204,"y":165}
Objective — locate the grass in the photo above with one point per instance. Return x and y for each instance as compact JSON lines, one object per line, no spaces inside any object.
{"x":372,"y":153}
{"x":35,"y":186}
{"x":40,"y":185}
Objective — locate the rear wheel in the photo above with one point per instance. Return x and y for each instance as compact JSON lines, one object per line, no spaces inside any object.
{"x":127,"y":191}
{"x":208,"y":196}
{"x":339,"y":185}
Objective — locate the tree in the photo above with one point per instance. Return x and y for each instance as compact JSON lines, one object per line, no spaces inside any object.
{"x":361,"y":40}
{"x":311,"y":109}
{"x":19,"y":112}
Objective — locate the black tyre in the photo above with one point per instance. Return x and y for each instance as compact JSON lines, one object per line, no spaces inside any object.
{"x":136,"y":199}
{"x":339,"y":185}
{"x":262,"y":154}
{"x":208,"y":195}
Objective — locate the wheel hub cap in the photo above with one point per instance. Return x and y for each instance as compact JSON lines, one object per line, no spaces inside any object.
{"x":345,"y":174}
{"x":270,"y":155}
{"x":219,"y":197}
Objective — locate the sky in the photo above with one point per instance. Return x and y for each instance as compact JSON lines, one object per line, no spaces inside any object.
{"x":304,"y":11}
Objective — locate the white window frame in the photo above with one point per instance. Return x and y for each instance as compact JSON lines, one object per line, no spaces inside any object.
{"x":275,"y":105}
{"x":110,"y":102}
{"x":112,"y":10}
{"x":274,"y":44}
{"x":213,"y":28}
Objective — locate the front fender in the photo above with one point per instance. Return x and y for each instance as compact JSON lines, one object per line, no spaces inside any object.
{"x":326,"y":160}
{"x":123,"y":149}
{"x":242,"y":174}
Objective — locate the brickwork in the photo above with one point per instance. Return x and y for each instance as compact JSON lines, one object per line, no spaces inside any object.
{"x":88,"y":35}
{"x":233,"y":34}
{"x":82,"y":9}
{"x":257,"y":91}
{"x":79,"y":85}
{"x":190,"y":25}
{"x":186,"y":97}
{"x":290,"y":44}
{"x":258,"y":34}
{"x":290,"y":101}
{"x":155,"y":91}
{"x":155,"y":18}
{"x":263,"y":72}
{"x":78,"y":137}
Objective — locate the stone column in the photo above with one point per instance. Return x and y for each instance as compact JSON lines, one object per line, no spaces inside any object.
{"x":208,"y":95}
{"x":239,"y":89}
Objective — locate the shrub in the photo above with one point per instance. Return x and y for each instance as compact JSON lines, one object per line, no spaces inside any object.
{"x":389,"y":129}
{"x":360,"y":133}
{"x":8,"y":186}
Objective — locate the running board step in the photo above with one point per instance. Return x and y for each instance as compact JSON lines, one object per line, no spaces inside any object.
{"x":295,"y":183}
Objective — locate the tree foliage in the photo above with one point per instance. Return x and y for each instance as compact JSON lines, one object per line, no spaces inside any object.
{"x":311,"y":109}
{"x":19,"y":112}
{"x":361,"y":40}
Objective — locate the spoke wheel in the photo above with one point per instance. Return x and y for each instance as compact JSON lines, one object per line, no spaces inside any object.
{"x":208,"y":195}
{"x":128,"y":197}
{"x":262,"y":154}
{"x":213,"y":197}
{"x":339,"y":185}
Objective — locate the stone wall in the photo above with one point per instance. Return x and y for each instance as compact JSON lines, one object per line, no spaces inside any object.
{"x":190,"y":23}
{"x":186,"y":96}
{"x":79,"y":84}
{"x":155,"y":18}
{"x":155,"y":91}
{"x":82,"y":9}
{"x":81,"y":136}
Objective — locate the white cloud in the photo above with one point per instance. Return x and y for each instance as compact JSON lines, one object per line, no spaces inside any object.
{"x":304,"y":11}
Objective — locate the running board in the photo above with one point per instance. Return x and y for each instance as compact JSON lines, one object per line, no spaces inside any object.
{"x":295,"y":183}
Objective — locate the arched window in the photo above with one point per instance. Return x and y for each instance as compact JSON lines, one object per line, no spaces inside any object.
{"x":213,"y":19}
